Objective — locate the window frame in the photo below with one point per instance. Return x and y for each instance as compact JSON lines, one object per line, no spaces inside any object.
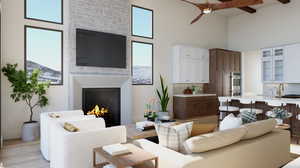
{"x":41,"y":20}
{"x":62,"y":50}
{"x":132,"y":6}
{"x":152,"y":67}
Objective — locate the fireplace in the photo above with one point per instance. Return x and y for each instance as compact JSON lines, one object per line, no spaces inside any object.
{"x":103,"y":97}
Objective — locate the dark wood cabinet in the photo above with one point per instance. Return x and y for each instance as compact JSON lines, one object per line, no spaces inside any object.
{"x":222,"y":63}
{"x":190,"y":107}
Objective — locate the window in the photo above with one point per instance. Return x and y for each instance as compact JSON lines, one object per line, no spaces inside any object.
{"x":142,"y":22}
{"x":142,"y":63}
{"x":44,"y":51}
{"x":44,"y":10}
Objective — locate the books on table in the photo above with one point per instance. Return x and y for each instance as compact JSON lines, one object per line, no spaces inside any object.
{"x":116,"y":149}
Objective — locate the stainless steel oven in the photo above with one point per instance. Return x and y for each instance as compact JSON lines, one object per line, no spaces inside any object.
{"x":236,"y":84}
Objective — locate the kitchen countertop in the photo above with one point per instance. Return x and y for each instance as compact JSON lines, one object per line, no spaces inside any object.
{"x":194,"y":95}
{"x":266,"y":98}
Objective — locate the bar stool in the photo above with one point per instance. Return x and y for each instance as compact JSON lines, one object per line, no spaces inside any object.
{"x":279,"y":104}
{"x":297,"y":118}
{"x":226,"y":108}
{"x":251,"y":109}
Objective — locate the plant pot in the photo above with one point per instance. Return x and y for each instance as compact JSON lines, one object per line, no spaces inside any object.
{"x":163,"y":116}
{"x":30,"y":131}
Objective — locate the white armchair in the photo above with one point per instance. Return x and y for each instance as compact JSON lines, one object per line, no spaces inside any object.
{"x":75,"y":149}
{"x":46,"y":121}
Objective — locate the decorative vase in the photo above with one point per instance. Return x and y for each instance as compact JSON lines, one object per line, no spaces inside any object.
{"x":279,"y":121}
{"x":30,"y":131}
{"x":163,"y":115}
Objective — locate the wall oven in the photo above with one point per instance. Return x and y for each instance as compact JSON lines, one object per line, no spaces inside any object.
{"x":236,"y":84}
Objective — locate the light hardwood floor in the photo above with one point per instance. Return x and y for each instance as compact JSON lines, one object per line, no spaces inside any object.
{"x":16,"y":154}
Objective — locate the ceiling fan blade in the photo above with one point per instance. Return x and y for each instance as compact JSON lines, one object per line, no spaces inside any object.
{"x":197,"y":18}
{"x":235,"y":4}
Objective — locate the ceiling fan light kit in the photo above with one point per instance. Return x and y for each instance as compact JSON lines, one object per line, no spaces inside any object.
{"x":207,"y":7}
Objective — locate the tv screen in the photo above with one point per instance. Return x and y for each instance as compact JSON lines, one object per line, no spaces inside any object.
{"x":100,"y":49}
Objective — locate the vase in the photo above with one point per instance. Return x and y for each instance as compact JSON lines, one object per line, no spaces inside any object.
{"x":163,"y":115}
{"x":279,"y":121}
{"x":30,"y":131}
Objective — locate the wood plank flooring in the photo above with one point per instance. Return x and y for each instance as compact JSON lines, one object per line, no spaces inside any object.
{"x":17,"y":154}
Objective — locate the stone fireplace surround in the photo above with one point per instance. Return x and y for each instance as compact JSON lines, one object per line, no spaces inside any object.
{"x":80,"y":81}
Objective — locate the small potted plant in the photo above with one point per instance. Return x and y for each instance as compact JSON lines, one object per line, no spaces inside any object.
{"x":27,"y":88}
{"x":164,"y":99}
{"x":150,"y":114}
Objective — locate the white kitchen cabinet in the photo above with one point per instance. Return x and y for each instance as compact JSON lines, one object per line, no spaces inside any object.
{"x":273,"y":65}
{"x":292,"y":64}
{"x":190,"y":64}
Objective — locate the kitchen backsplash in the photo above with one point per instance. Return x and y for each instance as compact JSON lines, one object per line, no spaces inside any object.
{"x":179,"y":88}
{"x":271,"y":89}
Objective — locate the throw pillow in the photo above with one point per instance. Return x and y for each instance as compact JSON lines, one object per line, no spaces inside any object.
{"x":199,"y":129}
{"x":259,"y":128}
{"x":230,"y":122}
{"x":216,"y":140}
{"x":172,"y":137}
{"x":70,"y":127}
{"x":248,"y":117}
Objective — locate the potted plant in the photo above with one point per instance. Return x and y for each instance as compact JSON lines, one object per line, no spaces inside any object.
{"x":27,"y":88}
{"x":164,"y":99}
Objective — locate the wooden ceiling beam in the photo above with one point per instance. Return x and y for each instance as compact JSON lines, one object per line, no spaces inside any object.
{"x":246,"y":8}
{"x":284,"y":1}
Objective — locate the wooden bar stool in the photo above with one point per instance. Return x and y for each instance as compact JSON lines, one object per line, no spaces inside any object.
{"x":225,"y":107}
{"x":251,"y":103}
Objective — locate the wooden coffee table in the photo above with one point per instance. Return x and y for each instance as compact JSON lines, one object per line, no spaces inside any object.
{"x":136,"y":159}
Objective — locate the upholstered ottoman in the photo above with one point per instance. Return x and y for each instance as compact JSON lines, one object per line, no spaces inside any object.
{"x":46,"y":121}
{"x":293,"y":164}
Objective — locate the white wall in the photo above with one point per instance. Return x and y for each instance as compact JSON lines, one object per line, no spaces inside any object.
{"x":14,"y":114}
{"x":251,"y":71}
{"x":273,"y":25}
{"x":172,"y":26}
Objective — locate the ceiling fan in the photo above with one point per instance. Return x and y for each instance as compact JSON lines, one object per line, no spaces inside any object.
{"x":208,"y":7}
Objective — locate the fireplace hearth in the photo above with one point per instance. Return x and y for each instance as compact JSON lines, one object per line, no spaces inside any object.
{"x":109,"y":98}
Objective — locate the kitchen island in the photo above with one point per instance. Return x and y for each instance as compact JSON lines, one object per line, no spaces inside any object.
{"x":266,"y":99}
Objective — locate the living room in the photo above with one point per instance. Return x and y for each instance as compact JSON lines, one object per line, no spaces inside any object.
{"x":145,"y":40}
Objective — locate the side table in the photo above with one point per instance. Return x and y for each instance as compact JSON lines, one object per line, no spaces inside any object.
{"x":136,"y":159}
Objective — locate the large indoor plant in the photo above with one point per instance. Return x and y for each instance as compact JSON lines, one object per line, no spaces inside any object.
{"x":164,"y":99}
{"x":27,"y":88}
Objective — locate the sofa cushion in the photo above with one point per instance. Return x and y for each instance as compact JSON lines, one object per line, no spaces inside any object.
{"x":199,"y":129}
{"x":259,"y":128}
{"x":207,"y":142}
{"x":230,"y":122}
{"x":173,"y":136}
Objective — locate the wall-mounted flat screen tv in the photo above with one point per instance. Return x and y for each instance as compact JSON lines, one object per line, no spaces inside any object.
{"x":98,"y":49}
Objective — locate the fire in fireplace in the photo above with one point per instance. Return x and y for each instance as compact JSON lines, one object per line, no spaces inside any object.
{"x":103,"y":101}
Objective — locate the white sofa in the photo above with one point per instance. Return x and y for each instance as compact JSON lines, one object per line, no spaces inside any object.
{"x":75,"y":149}
{"x":46,"y":121}
{"x":268,"y":151}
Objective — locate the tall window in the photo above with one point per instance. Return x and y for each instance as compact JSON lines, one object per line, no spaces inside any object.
{"x":43,"y":50}
{"x":142,"y":51}
{"x":142,"y":63}
{"x":44,"y":10}
{"x":142,"y":22}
